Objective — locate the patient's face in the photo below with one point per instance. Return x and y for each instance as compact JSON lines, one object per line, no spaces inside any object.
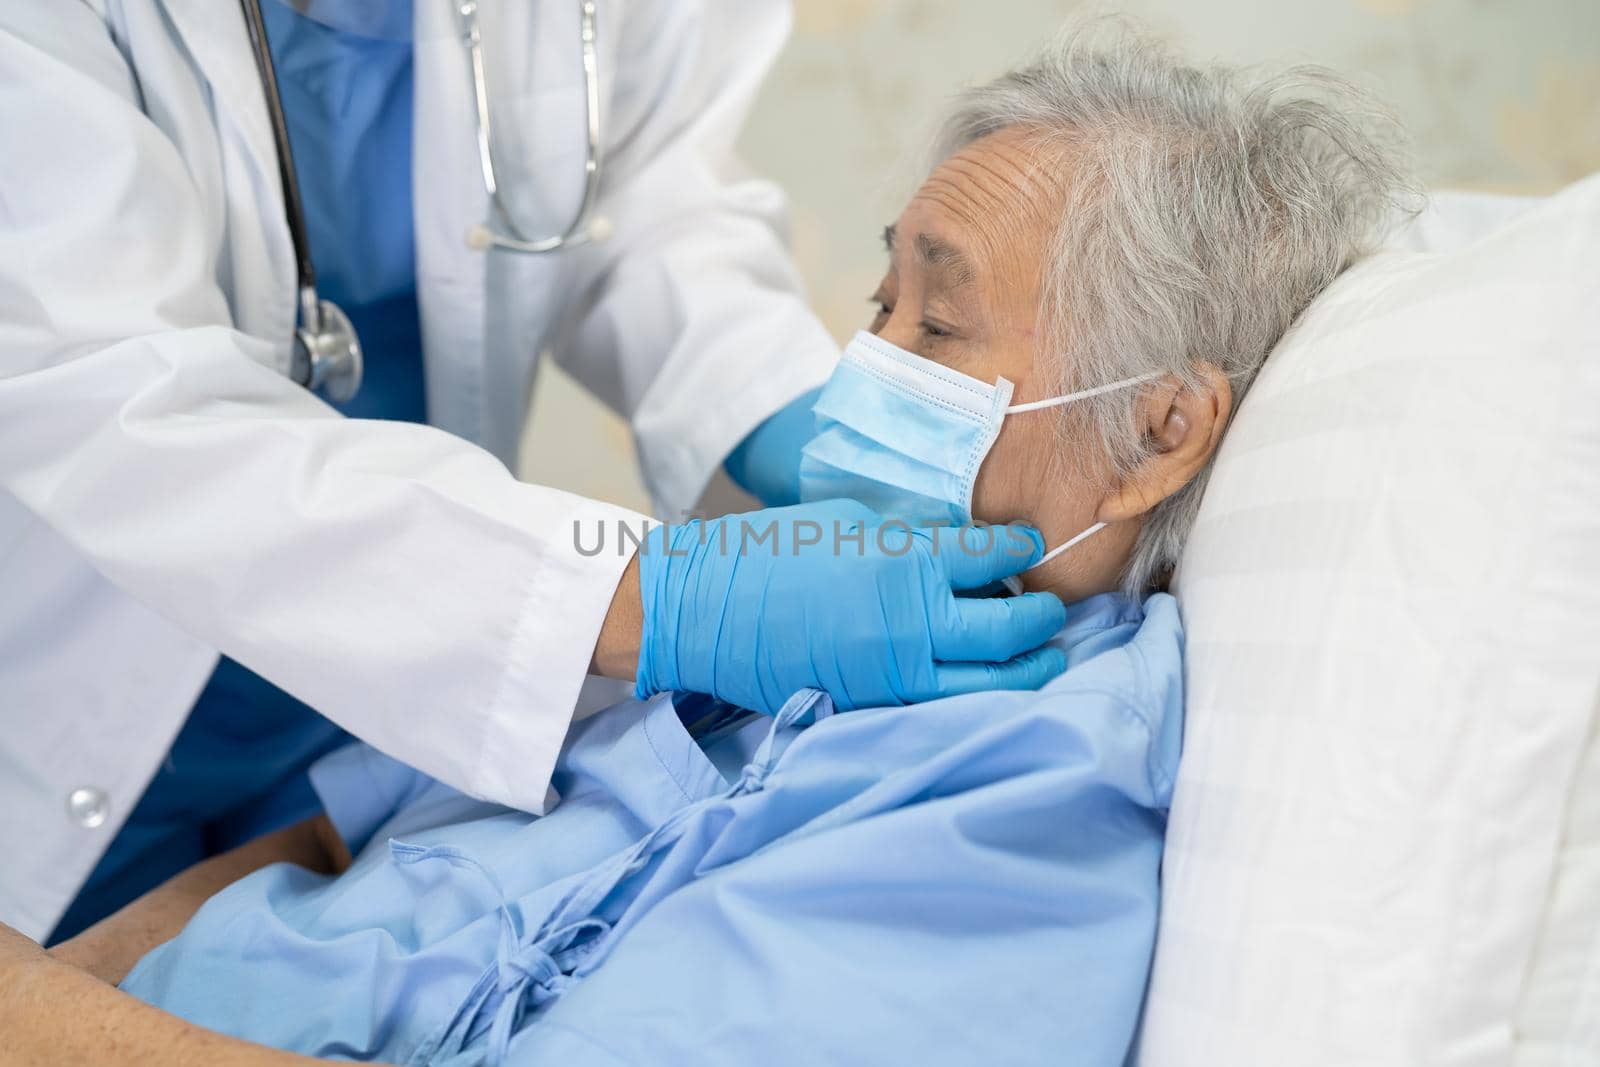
{"x":963,"y":289}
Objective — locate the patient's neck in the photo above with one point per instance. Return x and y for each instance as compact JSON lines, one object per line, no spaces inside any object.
{"x":1095,"y":565}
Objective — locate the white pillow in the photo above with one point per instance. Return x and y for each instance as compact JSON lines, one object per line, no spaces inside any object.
{"x":1392,"y":600}
{"x":1454,"y":219}
{"x":1558,"y":1020}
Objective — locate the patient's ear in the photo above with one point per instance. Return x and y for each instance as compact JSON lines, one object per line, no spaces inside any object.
{"x":1182,"y":427}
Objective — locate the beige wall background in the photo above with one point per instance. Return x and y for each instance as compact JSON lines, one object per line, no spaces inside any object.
{"x":1498,"y":94}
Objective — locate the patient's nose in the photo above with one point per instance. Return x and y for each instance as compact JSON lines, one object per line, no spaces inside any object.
{"x":903,"y":329}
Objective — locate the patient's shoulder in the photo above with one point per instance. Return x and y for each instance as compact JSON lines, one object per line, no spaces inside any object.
{"x":1124,"y":679}
{"x":1128,"y":649}
{"x":1111,"y":723}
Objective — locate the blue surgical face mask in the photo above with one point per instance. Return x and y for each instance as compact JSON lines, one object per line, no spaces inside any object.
{"x":906,"y":436}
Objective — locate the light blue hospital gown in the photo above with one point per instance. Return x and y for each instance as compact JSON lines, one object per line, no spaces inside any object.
{"x":967,"y":881}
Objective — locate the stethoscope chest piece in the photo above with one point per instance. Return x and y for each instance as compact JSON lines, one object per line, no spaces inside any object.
{"x":327,"y":352}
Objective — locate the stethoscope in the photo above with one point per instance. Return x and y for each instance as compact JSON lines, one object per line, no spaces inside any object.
{"x":327,"y":352}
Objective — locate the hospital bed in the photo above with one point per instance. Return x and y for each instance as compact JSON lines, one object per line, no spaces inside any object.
{"x":1384,"y":847}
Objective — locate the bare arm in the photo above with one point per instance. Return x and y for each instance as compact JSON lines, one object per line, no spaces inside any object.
{"x":110,"y":948}
{"x":54,"y":1014}
{"x":616,"y":654}
{"x":57,"y":1007}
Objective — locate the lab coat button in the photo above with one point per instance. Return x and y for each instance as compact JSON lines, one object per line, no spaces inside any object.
{"x":89,"y":807}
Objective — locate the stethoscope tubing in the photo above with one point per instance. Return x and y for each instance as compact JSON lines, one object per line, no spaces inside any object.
{"x":578,"y":231}
{"x":305,"y":268}
{"x":328,"y":353}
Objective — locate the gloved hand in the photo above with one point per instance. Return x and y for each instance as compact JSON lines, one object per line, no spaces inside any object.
{"x":767,"y":463}
{"x":751,"y":608}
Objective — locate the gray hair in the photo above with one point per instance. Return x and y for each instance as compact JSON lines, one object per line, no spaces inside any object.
{"x":1205,"y":207}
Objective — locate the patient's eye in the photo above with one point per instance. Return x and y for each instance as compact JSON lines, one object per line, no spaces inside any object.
{"x":933,"y":329}
{"x":883,"y":310}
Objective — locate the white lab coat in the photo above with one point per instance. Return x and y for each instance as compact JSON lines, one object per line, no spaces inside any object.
{"x":166,"y":493}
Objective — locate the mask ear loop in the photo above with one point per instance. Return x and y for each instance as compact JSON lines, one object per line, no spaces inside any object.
{"x":1068,"y":543}
{"x":1084,"y":394}
{"x":1014,"y":583}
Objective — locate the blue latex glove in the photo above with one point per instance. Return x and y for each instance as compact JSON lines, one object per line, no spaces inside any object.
{"x":767,"y":463}
{"x":873,"y":623}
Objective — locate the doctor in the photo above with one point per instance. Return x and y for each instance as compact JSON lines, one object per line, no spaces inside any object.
{"x":169,"y":488}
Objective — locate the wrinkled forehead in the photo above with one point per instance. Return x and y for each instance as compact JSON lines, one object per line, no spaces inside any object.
{"x":975,"y":236}
{"x":996,"y":200}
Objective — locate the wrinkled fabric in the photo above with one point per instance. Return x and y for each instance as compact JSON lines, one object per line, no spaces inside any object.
{"x":970,"y":880}
{"x":398,"y":579}
{"x":237,"y":768}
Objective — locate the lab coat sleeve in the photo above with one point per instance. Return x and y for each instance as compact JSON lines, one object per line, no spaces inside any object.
{"x":689,"y":319}
{"x":395,"y":577}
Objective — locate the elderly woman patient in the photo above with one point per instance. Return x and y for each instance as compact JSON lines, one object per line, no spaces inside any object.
{"x":1104,"y":253}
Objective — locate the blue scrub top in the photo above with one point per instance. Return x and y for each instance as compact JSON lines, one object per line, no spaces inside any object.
{"x":238,"y":767}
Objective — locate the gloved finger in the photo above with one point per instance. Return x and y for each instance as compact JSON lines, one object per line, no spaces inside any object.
{"x":1028,"y":671}
{"x":997,"y":629}
{"x":975,"y":556}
